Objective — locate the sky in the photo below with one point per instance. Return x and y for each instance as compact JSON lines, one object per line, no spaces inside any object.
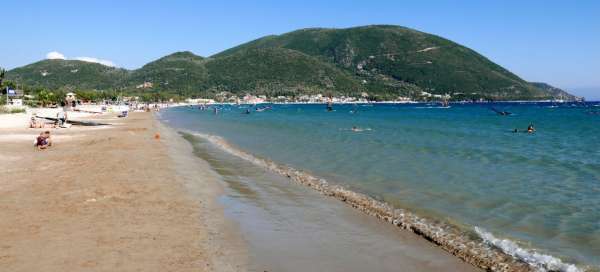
{"x":557,"y":42}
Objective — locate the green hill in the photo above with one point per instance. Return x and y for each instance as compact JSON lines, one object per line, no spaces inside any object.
{"x":278,"y":71}
{"x":57,"y":74}
{"x":273,"y":71}
{"x":392,"y":54}
{"x":181,"y":72}
{"x":384,"y":61}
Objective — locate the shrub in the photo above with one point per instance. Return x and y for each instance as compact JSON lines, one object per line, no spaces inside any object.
{"x":5,"y":110}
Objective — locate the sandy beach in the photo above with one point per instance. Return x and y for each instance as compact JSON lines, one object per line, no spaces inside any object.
{"x":108,"y":199}
{"x":116,"y":198}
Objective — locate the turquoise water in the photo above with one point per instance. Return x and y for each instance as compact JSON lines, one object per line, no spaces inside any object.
{"x":462,"y":164}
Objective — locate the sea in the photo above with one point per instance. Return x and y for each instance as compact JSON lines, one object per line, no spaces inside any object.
{"x":535,"y":196}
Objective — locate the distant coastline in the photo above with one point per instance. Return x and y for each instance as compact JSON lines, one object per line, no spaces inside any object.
{"x":373,"y":102}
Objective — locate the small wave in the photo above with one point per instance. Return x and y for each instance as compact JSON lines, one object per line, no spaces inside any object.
{"x":356,"y":129}
{"x":486,"y":252}
{"x":541,"y":262}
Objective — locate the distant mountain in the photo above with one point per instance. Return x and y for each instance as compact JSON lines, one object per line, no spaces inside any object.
{"x":554,"y":92}
{"x":383,"y":61}
{"x":55,"y":74}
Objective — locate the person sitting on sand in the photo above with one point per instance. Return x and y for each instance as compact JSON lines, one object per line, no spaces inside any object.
{"x":43,"y":141}
{"x":48,"y":138}
{"x":33,"y":123}
{"x":530,"y":129}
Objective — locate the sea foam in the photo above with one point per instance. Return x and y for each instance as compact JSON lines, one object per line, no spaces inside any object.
{"x":541,"y":262}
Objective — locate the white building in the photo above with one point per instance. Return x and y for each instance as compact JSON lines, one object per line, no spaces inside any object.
{"x":145,"y":85}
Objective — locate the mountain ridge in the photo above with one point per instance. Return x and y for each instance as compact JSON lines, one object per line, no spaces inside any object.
{"x":57,"y":73}
{"x":384,"y":61}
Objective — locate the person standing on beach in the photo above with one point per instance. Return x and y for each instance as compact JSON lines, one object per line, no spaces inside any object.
{"x":62,"y":118}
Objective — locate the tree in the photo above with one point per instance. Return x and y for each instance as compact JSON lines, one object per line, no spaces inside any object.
{"x":46,"y":97}
{"x":2,"y":73}
{"x":91,"y":95}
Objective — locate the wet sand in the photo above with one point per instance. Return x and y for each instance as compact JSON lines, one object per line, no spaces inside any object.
{"x":108,"y":199}
{"x":289,"y":227}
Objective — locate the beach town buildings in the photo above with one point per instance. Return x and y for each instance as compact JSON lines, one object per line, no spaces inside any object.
{"x":251,"y":99}
{"x":404,"y":99}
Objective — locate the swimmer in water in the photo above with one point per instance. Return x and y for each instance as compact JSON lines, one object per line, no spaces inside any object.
{"x":530,"y":129}
{"x":357,"y":129}
{"x":354,"y":109}
{"x":330,"y":104}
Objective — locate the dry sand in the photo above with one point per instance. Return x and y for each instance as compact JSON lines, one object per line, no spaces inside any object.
{"x":113,"y":199}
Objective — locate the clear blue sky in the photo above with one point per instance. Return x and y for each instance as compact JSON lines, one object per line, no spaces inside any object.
{"x":552,"y":41}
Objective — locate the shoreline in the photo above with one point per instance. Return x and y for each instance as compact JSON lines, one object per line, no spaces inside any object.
{"x":486,"y":251}
{"x":289,"y":227}
{"x":381,"y":102}
{"x":229,"y":249}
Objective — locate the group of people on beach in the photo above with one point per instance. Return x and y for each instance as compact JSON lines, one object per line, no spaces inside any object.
{"x":61,"y":120}
{"x":43,"y":140}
